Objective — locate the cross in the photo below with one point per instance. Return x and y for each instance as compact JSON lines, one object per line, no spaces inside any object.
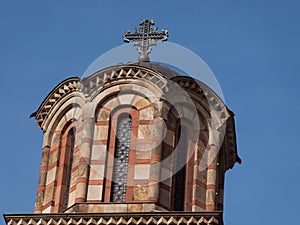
{"x":144,"y":37}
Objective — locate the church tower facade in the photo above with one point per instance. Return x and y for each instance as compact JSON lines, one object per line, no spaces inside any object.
{"x":136,"y":143}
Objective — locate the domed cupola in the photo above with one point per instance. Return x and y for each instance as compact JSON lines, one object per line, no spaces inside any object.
{"x":132,"y":143}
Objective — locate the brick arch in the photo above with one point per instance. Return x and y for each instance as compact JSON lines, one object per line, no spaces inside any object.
{"x":66,"y":112}
{"x":195,"y":198}
{"x":138,"y":102}
{"x":112,"y":104}
{"x":56,"y":99}
{"x":100,"y":109}
{"x":183,"y":124}
{"x":104,"y":112}
{"x":63,"y":164}
{"x":115,"y":115}
{"x":50,"y":167}
{"x":123,"y":74}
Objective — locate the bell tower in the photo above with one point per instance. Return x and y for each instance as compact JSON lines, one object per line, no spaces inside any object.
{"x":135,"y":143}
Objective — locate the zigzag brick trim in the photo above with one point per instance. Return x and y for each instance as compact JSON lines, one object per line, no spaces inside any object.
{"x":155,"y":218}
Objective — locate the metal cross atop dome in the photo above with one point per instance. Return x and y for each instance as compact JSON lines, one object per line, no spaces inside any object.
{"x":144,"y":37}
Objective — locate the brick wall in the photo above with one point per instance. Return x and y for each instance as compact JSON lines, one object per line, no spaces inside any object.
{"x":151,"y":159}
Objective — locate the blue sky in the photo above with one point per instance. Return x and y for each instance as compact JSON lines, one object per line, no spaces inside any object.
{"x":251,"y":46}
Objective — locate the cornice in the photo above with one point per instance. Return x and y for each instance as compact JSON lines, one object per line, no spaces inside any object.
{"x":154,"y":218}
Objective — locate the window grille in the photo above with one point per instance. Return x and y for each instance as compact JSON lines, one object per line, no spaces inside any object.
{"x":120,"y":167}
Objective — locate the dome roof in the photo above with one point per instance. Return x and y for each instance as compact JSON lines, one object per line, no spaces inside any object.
{"x":164,"y":70}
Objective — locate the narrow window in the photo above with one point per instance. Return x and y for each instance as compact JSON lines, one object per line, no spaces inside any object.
{"x":120,"y":166}
{"x":70,"y":151}
{"x":180,"y":169}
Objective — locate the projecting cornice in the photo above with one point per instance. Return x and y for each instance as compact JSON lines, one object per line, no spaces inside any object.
{"x":206,"y":95}
{"x":90,"y":86}
{"x":214,"y":104}
{"x":62,"y":90}
{"x":155,"y":218}
{"x":94,"y":83}
{"x":152,"y":75}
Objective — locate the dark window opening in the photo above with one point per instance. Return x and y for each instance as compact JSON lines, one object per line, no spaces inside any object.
{"x":180,"y":168}
{"x":70,"y":149}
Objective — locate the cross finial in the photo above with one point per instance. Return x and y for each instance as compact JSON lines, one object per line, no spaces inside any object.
{"x":144,"y":37}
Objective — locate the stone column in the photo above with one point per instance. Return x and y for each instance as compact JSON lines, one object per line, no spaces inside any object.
{"x":158,"y":128}
{"x":42,"y":180}
{"x":211,"y":178}
{"x":85,"y":148}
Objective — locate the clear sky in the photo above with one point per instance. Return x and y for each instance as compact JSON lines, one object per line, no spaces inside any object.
{"x":251,"y":46}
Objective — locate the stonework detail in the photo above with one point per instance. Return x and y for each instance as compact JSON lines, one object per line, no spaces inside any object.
{"x":213,"y":218}
{"x":62,"y":90}
{"x":93,"y":105}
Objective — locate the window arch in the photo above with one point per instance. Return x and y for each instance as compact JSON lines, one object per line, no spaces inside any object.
{"x":67,"y":148}
{"x":182,"y":180}
{"x":122,"y":132}
{"x":70,"y":145}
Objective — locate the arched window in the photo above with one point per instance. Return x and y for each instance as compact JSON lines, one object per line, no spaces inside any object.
{"x":64,"y":172}
{"x":70,"y":144}
{"x":123,"y":129}
{"x":179,"y":179}
{"x":121,"y":157}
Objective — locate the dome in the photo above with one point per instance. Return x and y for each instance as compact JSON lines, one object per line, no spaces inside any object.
{"x":164,"y":70}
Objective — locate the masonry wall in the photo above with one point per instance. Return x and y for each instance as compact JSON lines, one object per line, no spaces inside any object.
{"x":151,"y":159}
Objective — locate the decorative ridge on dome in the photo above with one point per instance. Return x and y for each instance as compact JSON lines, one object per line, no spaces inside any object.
{"x":144,"y":37}
{"x":164,"y":70}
